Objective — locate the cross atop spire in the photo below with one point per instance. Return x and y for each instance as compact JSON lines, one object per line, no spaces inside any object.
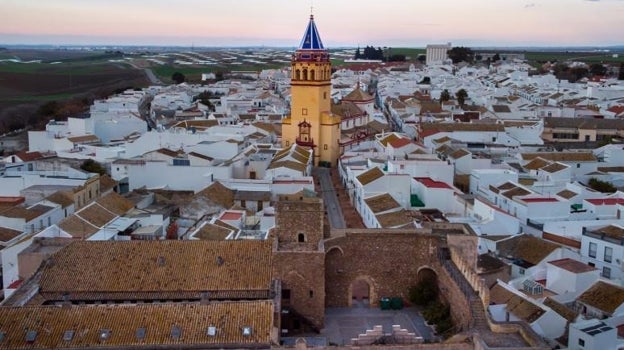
{"x":311,"y":38}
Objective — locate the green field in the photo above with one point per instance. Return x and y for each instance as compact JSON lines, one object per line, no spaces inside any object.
{"x":587,"y":57}
{"x":410,"y":53}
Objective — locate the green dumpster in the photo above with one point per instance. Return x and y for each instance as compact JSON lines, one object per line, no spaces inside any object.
{"x":384,"y":303}
{"x":396,"y":303}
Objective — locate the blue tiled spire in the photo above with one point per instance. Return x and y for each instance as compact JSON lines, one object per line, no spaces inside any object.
{"x":311,"y":38}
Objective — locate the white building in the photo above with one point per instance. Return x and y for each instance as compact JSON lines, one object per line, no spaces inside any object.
{"x":437,"y":54}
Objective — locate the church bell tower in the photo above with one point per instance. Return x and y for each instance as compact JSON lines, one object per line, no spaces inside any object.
{"x":311,"y":123}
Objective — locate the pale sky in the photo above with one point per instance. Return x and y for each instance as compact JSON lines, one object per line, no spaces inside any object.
{"x":398,"y":23}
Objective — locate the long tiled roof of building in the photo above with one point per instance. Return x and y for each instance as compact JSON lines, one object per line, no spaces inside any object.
{"x":395,"y":219}
{"x":311,"y":39}
{"x":603,"y":296}
{"x":7,"y":234}
{"x":528,"y":248}
{"x":158,"y":266}
{"x":370,"y":175}
{"x":381,"y":203}
{"x":524,"y":309}
{"x":358,"y":95}
{"x":583,"y":123}
{"x":561,"y":156}
{"x":212,"y":232}
{"x":173,"y":325}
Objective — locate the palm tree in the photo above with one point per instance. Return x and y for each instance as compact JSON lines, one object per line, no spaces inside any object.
{"x":461,"y":96}
{"x":445,"y":96}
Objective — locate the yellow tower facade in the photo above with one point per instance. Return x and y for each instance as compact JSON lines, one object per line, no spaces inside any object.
{"x":311,"y":123}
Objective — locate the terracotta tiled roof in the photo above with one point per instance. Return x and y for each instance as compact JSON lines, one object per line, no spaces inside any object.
{"x":572,"y":265}
{"x":158,"y":266}
{"x":218,"y":193}
{"x":400,"y":142}
{"x":524,"y":309}
{"x":167,"y":152}
{"x":611,"y":169}
{"x":96,"y":215}
{"x":392,"y":137}
{"x":611,"y":231}
{"x":84,"y":139}
{"x":603,"y":296}
{"x":115,"y":203}
{"x":562,"y":156}
{"x":346,"y":110}
{"x":516,"y":192}
{"x":450,"y":127}
{"x":536,"y":163}
{"x":106,"y":183}
{"x":77,"y":227}
{"x":199,"y":124}
{"x":395,"y":219}
{"x":370,"y":175}
{"x":87,"y":323}
{"x":501,"y":109}
{"x":567,"y":194}
{"x":358,"y":95}
{"x":29,"y":156}
{"x":7,"y":234}
{"x":460,"y":153}
{"x":211,"y":232}
{"x":561,"y":309}
{"x":500,"y":295}
{"x":381,"y":203}
{"x":583,"y":123}
{"x":288,"y":164}
{"x":554,"y":167}
{"x":528,"y":248}
{"x":27,"y":214}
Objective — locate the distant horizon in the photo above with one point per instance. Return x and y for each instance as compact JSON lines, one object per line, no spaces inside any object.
{"x":280,"y":23}
{"x":616,"y":47}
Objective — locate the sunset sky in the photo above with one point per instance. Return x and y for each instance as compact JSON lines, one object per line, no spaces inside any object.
{"x":406,"y":23}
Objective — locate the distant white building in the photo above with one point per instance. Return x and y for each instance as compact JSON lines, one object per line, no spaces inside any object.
{"x":437,"y":54}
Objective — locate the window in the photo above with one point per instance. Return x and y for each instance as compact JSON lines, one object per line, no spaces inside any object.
{"x":578,"y":165}
{"x":301,"y":238}
{"x":581,"y":342}
{"x":304,"y":111}
{"x":287,"y":143}
{"x":608,"y":254}
{"x":521,"y":271}
{"x":243,"y":203}
{"x":325,"y":147}
{"x":324,"y":95}
{"x":592,"y":250}
{"x":606,"y":272}
{"x":311,"y":293}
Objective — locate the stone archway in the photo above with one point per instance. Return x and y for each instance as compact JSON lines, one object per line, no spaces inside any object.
{"x":427,"y":273}
{"x":362,"y":292}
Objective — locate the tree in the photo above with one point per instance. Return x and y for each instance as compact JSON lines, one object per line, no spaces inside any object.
{"x":424,"y":292}
{"x":461,"y":96}
{"x":178,"y":77}
{"x":461,"y":54}
{"x":445,"y":96}
{"x":422,"y":58}
{"x":496,"y":57}
{"x":597,"y":69}
{"x":357,"y":54}
{"x":425,"y":80}
{"x":601,"y":186}
{"x":621,"y":75}
{"x":92,"y":166}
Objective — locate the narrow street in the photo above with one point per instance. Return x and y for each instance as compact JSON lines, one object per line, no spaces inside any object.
{"x":332,"y":207}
